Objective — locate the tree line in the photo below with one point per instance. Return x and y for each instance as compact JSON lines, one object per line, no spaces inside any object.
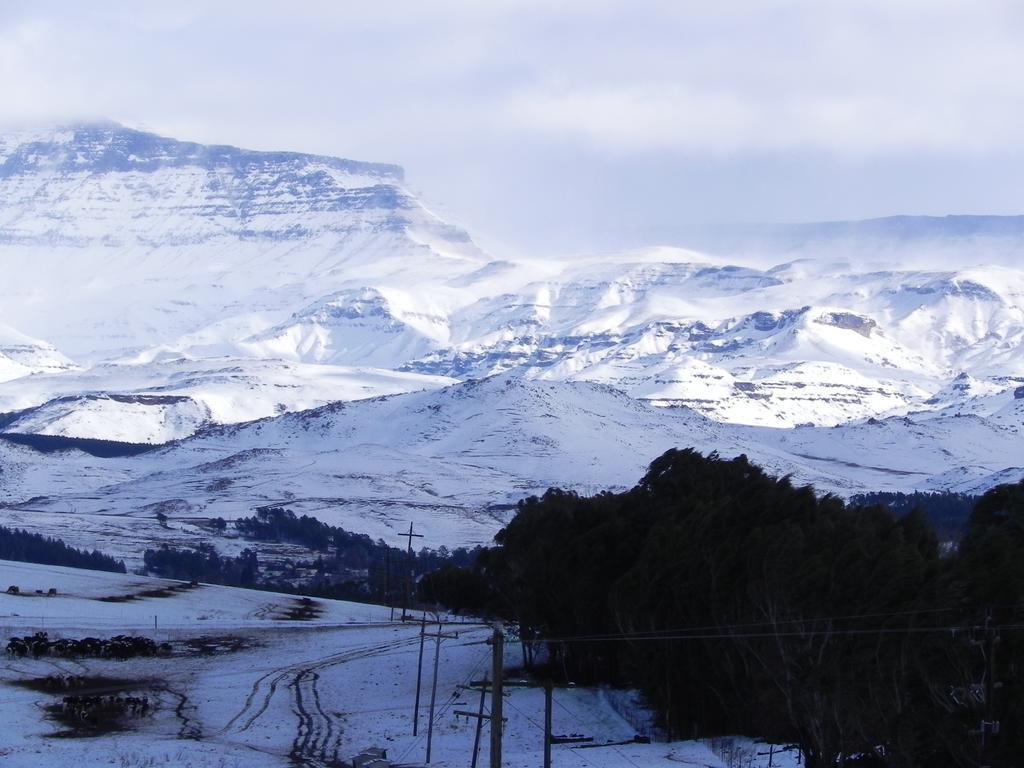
{"x":341,"y":565}
{"x":353,"y":549}
{"x":738,"y":603}
{"x":946,"y":511}
{"x":25,"y":547}
{"x":203,"y":563}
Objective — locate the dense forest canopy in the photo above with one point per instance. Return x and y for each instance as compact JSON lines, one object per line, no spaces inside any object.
{"x":739,"y":603}
{"x":947,"y":512}
{"x":16,"y":544}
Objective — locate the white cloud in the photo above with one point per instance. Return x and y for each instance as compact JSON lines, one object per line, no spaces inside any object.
{"x":850,"y":79}
{"x":655,"y":118}
{"x":509,"y":110}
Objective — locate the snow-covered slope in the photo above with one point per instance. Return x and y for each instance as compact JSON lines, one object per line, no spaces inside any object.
{"x":170,"y":399}
{"x":453,"y":460}
{"x":139,"y":239}
{"x":243,"y":686}
{"x":804,"y":342}
{"x":156,"y":249}
{"x":120,"y":418}
{"x":442,"y":458}
{"x":21,"y":355}
{"x":200,"y":287}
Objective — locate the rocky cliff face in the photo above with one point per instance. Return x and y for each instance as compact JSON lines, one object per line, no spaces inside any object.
{"x":109,"y":185}
{"x":115,"y":240}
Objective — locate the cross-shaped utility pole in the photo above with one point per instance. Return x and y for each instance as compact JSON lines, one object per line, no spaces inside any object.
{"x":409,"y":576}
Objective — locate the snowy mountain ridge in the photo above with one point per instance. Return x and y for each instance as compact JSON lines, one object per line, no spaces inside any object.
{"x":455,"y":460}
{"x":141,"y":240}
{"x":21,"y":355}
{"x":180,"y":287}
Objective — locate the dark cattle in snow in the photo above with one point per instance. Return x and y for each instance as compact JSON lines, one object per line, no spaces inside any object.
{"x":17,"y":647}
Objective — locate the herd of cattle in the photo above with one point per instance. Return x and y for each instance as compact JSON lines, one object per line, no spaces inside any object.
{"x":120,"y":647}
{"x":102,"y":710}
{"x":16,"y":590}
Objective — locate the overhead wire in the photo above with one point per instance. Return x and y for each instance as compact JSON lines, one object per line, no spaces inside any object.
{"x":700,"y":634}
{"x":532,"y":722}
{"x":766,"y":623}
{"x":535,"y":724}
{"x":579,"y":723}
{"x":449,"y":702}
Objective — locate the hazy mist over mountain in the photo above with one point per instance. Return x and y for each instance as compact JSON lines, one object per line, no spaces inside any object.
{"x":575,"y":127}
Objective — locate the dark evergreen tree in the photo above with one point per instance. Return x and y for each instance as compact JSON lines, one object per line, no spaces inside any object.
{"x":16,"y":544}
{"x":740,"y":603}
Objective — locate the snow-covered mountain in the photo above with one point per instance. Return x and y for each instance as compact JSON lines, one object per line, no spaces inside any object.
{"x":116,"y":241}
{"x":454,"y":460}
{"x":124,"y":247}
{"x":189,"y":287}
{"x":168,"y":400}
{"x":21,"y":355}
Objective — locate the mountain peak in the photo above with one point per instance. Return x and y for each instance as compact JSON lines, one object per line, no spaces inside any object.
{"x":106,"y":184}
{"x":106,"y":146}
{"x":94,"y":213}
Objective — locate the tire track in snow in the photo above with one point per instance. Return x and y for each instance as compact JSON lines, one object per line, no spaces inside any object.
{"x":317,"y":738}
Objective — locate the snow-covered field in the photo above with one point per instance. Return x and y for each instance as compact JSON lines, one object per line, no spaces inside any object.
{"x":245,"y":686}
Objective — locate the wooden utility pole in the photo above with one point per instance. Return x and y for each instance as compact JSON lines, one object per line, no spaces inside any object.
{"x":479,"y":716}
{"x":419,"y":676}
{"x":433,"y":689}
{"x":989,"y":726}
{"x":409,"y":576}
{"x":479,"y":722}
{"x":497,"y":643}
{"x":497,"y":670}
{"x":387,"y":581}
{"x":548,"y":695}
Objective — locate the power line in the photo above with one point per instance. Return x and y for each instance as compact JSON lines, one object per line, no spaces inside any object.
{"x":767,"y":623}
{"x":532,"y":722}
{"x":578,"y":722}
{"x":575,"y":719}
{"x":654,"y":636}
{"x":446,"y":706}
{"x":537,"y":725}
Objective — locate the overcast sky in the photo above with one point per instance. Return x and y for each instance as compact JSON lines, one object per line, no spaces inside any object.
{"x":547,"y":125}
